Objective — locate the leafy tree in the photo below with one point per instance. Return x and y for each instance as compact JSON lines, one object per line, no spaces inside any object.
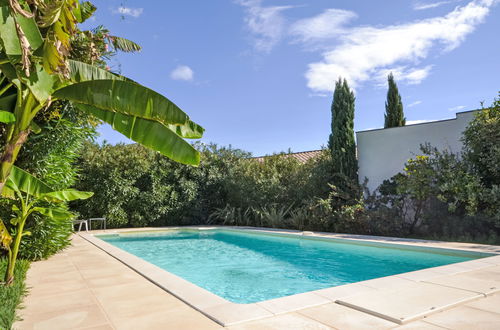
{"x":482,"y":144}
{"x":136,"y":187}
{"x":341,"y":142}
{"x":394,"y":115}
{"x":33,"y":196}
{"x":36,"y":70}
{"x":50,"y":155}
{"x":437,"y":176}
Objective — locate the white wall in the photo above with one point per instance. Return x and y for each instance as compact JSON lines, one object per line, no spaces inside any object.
{"x":382,"y":153}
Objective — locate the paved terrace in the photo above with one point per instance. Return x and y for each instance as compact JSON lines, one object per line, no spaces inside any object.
{"x":85,"y":288}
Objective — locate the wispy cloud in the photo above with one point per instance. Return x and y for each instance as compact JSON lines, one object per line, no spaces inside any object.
{"x":182,"y":72}
{"x":328,"y":24}
{"x":457,"y":108}
{"x":266,"y":24}
{"x":429,"y":5}
{"x":413,"y":104}
{"x":127,"y":11}
{"x":409,"y":75}
{"x":364,"y":53}
{"x":318,"y":95}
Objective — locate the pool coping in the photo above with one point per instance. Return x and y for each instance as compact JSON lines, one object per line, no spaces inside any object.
{"x":227,"y":313}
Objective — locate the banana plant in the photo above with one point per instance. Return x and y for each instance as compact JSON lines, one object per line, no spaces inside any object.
{"x":29,"y":194}
{"x":35,"y":39}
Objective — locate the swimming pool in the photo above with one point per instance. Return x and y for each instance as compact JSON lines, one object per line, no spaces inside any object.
{"x":247,"y":267}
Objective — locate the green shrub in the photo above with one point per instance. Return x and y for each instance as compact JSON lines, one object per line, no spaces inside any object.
{"x":48,"y":236}
{"x":11,"y":296}
{"x":439,"y":196}
{"x":232,"y":216}
{"x":135,"y":187}
{"x":50,"y":156}
{"x":273,"y":216}
{"x":482,"y":144}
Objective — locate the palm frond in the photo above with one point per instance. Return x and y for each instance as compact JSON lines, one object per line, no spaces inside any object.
{"x":124,"y":45}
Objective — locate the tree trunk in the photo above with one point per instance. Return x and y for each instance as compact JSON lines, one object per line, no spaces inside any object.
{"x":9,"y":155}
{"x":11,"y":265}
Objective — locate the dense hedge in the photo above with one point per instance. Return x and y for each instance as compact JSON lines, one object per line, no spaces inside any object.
{"x":50,"y":156}
{"x":137,"y":187}
{"x":439,"y":195}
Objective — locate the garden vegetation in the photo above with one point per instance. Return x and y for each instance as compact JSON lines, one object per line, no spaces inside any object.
{"x":439,"y":195}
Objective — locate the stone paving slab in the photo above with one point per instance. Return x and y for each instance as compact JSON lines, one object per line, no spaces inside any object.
{"x":291,"y":321}
{"x":341,"y":317}
{"x":408,"y":302}
{"x":464,"y":317}
{"x":85,"y":288}
{"x":485,"y":281}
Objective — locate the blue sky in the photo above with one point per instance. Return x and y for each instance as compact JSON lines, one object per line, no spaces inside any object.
{"x":259,"y":74}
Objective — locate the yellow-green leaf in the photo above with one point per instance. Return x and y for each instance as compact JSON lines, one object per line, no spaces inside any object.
{"x":66,"y":195}
{"x":5,"y":237}
{"x":7,"y":117}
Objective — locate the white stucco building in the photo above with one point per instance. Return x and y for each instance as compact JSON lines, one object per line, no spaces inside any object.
{"x":383,"y":152}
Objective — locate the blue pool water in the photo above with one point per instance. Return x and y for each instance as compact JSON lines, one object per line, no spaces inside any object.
{"x":247,"y":267}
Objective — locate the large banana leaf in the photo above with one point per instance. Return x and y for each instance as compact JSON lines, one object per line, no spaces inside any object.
{"x":148,"y":133}
{"x":40,"y":83}
{"x":126,"y":98}
{"x":21,"y":181}
{"x":8,"y":34}
{"x":54,"y":213}
{"x":80,"y":71}
{"x":190,"y":130}
{"x":66,"y":195}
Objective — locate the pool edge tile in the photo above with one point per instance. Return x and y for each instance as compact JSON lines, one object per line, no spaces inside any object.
{"x":294,"y":302}
{"x":231,"y":314}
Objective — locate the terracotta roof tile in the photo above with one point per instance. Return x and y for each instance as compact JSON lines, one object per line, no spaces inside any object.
{"x":302,"y":156}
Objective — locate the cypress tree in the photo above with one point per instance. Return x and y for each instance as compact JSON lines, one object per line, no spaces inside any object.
{"x":394,"y":115}
{"x":341,"y":142}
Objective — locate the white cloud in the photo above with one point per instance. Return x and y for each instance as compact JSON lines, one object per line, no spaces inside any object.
{"x":329,"y":24}
{"x":134,"y":12}
{"x":411,"y":105}
{"x":266,"y":24}
{"x":365,"y":53}
{"x":409,"y":75}
{"x":413,"y":122}
{"x":423,"y":6}
{"x":182,"y":72}
{"x":418,"y":5}
{"x":457,"y":108}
